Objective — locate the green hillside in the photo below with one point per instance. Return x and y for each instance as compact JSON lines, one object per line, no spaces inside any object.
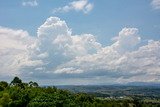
{"x":20,"y":94}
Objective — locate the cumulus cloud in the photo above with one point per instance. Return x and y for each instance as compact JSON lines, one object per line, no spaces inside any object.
{"x":155,"y":4}
{"x":127,"y":40}
{"x":31,"y":3}
{"x":122,"y":59}
{"x":56,"y":45}
{"x":79,"y":5}
{"x":56,"y":54}
{"x":13,"y":51}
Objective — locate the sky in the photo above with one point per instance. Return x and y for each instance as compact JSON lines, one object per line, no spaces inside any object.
{"x":80,"y":42}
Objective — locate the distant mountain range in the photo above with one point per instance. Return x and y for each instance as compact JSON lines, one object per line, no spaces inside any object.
{"x":143,"y":84}
{"x":99,"y":85}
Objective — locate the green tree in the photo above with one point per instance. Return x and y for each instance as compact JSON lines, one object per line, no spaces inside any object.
{"x":33,"y":84}
{"x":4,"y":84}
{"x":1,"y":88}
{"x":5,"y":100}
{"x":16,"y":81}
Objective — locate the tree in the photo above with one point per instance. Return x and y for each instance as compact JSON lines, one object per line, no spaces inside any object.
{"x":4,"y":84}
{"x":1,"y":88}
{"x":30,"y":83}
{"x":33,"y":84}
{"x":16,"y":81}
{"x":5,"y":100}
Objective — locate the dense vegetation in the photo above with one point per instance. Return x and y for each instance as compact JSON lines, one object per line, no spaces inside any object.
{"x":19,"y":94}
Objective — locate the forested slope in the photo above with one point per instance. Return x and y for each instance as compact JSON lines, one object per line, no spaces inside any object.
{"x":19,"y":94}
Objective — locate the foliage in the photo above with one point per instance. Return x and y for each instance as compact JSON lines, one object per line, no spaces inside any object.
{"x":4,"y":84}
{"x":19,"y":94}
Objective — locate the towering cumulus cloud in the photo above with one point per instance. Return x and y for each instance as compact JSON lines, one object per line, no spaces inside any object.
{"x":58,"y":55}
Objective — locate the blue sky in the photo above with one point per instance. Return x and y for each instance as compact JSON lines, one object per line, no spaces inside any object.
{"x":106,"y":19}
{"x":91,"y":29}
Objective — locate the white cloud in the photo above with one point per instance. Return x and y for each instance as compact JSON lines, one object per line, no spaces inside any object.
{"x":56,"y":45}
{"x":69,"y":70}
{"x":80,"y":5}
{"x":127,"y":40}
{"x":155,"y":4}
{"x":56,"y":54}
{"x":31,"y":3}
{"x":110,"y":60}
{"x":13,"y":51}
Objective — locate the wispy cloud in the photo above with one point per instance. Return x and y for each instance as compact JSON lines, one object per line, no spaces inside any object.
{"x":80,"y":5}
{"x":31,"y":3}
{"x":155,"y":4}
